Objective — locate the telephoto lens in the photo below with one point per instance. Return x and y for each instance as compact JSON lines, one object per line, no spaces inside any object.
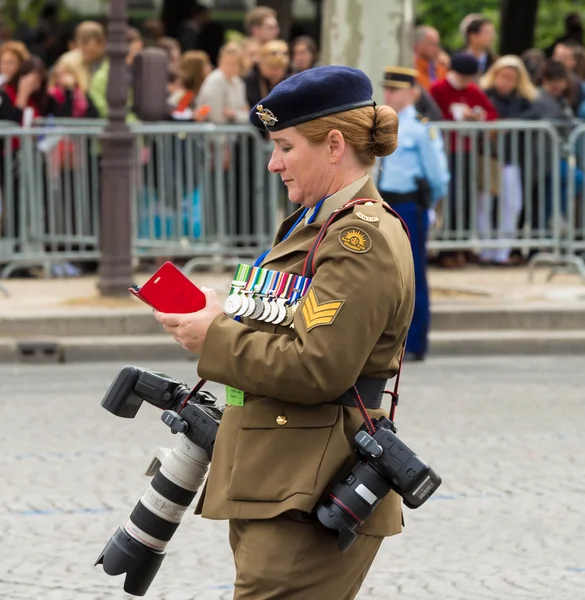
{"x":138,"y":548}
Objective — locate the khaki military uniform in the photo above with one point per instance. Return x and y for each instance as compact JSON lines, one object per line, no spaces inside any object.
{"x":280,"y":451}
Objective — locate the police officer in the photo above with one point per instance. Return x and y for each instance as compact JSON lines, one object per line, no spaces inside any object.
{"x":326,"y":309}
{"x":412,"y":180}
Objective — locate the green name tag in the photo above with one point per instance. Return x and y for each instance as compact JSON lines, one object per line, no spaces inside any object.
{"x":234,"y":397}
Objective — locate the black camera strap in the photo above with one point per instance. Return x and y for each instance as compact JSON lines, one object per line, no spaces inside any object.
{"x":309,"y":271}
{"x":193,"y":393}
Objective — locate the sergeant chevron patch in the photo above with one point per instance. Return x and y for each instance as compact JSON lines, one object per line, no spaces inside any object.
{"x":315,"y":314}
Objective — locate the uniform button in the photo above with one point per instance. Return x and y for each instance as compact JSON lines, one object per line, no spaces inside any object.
{"x":281,"y":420}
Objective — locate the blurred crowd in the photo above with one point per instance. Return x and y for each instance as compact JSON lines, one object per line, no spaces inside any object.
{"x":475,"y":84}
{"x":213,"y":78}
{"x":209,"y":78}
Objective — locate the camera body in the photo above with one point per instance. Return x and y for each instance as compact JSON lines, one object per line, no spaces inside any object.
{"x":138,"y":548}
{"x":385,"y":464}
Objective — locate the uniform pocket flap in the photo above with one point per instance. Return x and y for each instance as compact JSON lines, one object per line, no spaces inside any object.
{"x":266,"y":413}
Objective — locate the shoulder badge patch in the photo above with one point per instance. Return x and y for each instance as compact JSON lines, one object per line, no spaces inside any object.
{"x":355,"y":239}
{"x":366,"y":218}
{"x":433,"y":133}
{"x":315,"y":314}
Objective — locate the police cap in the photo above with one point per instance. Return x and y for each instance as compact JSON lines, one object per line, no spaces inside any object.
{"x":400,"y":77}
{"x":312,"y":94}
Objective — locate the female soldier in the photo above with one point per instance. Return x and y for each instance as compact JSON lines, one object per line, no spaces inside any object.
{"x":289,"y":425}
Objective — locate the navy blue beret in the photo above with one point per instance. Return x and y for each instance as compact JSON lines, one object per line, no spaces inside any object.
{"x":311,"y":94}
{"x":464,"y":64}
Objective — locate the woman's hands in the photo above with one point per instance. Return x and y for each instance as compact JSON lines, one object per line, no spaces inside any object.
{"x":190,"y":330}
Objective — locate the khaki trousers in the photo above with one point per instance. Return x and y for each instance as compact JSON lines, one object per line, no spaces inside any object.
{"x":289,"y":558}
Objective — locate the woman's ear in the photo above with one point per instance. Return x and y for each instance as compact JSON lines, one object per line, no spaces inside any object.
{"x":336,"y":144}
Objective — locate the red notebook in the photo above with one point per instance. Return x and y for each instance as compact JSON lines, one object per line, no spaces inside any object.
{"x":170,"y":291}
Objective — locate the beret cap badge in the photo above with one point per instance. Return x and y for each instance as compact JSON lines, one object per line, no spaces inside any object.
{"x":266,"y":116}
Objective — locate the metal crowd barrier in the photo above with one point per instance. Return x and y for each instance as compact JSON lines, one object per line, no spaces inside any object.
{"x":504,"y":189}
{"x":574,"y":256}
{"x":202,"y":192}
{"x":49,"y":182}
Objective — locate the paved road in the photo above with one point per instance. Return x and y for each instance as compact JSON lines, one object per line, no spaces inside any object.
{"x":505,"y":434}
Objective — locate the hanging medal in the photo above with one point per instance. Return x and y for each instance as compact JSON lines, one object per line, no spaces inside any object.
{"x":283,"y":298}
{"x":294,"y":294}
{"x":260,"y":301}
{"x":268,"y":300}
{"x":261,"y":276}
{"x":248,"y":293}
{"x":271,"y":307}
{"x":233,"y":302}
{"x":306,"y":282}
{"x":244,"y":294}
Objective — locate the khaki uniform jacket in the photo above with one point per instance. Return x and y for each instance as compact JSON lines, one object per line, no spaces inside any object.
{"x":353,"y":321}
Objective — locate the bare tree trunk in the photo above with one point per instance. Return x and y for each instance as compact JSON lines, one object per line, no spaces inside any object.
{"x":518,"y":19}
{"x":368,"y":35}
{"x":284,"y":11}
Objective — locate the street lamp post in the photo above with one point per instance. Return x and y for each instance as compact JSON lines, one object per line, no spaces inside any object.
{"x":117,"y":165}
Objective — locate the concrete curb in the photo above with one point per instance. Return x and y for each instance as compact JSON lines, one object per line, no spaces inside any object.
{"x":156,"y":348}
{"x":121,"y":323}
{"x":507,"y":343}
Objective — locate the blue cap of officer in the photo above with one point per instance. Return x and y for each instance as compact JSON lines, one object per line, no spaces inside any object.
{"x":464,"y":64}
{"x":312,"y":94}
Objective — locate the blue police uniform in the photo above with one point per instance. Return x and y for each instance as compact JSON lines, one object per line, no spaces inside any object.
{"x":412,"y":180}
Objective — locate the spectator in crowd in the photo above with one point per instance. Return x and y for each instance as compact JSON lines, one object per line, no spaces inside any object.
{"x":153,"y":32}
{"x":224,"y":90}
{"x":98,"y":87}
{"x":573,"y":33}
{"x":425,"y":105}
{"x":5,"y":31}
{"x":427,"y":47}
{"x":554,"y":104}
{"x":534,"y":61}
{"x":564,"y":52}
{"x":135,"y":44}
{"x":12,"y":55}
{"x":190,"y":29}
{"x":251,"y":54}
{"x":173,"y":50}
{"x":553,"y":100}
{"x":479,"y":40}
{"x":579,"y":55}
{"x":69,"y":97}
{"x":460,"y":99}
{"x":28,"y":87}
{"x":89,"y":51}
{"x":508,"y":87}
{"x":44,"y":41}
{"x":199,"y":32}
{"x":270,"y":71}
{"x":261,"y":24}
{"x":195,"y":66}
{"x":465,"y":24}
{"x":304,"y":53}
